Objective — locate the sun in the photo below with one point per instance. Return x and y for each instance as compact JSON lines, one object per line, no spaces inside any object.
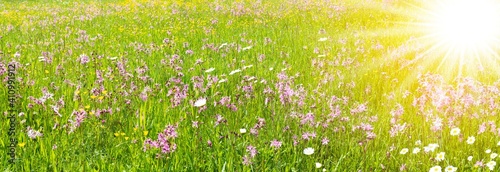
{"x":460,"y":36}
{"x":467,"y":25}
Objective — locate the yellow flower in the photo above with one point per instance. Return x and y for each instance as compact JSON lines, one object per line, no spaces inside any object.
{"x":77,"y":92}
{"x":101,"y":97}
{"x":117,"y":134}
{"x":122,"y":133}
{"x":91,"y":113}
{"x":93,"y":97}
{"x":135,"y":128}
{"x":88,"y":106}
{"x":145,"y":133}
{"x":126,"y":138}
{"x":104,"y":92}
{"x":46,"y":71}
{"x":21,"y":144}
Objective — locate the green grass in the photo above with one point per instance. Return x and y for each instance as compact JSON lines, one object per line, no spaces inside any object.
{"x":355,"y":71}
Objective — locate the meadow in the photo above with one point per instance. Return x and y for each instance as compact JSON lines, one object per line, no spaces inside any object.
{"x":298,"y":85}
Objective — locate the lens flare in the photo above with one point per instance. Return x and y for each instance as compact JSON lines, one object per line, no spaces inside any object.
{"x":467,"y":24}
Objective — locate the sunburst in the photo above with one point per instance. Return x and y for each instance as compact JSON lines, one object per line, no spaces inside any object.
{"x":461,"y":33}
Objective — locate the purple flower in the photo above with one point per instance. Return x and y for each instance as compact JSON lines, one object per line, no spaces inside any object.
{"x":83,"y":59}
{"x":325,"y":141}
{"x":251,"y":150}
{"x":275,"y":144}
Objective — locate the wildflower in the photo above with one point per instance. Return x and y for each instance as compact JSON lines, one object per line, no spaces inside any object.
{"x":322,"y":39}
{"x":403,"y":151}
{"x":471,"y":140}
{"x":209,"y":70}
{"x":200,"y":102}
{"x":83,"y":59}
{"x":479,"y":164}
{"x":493,"y":155}
{"x":308,"y":151}
{"x":234,"y":71}
{"x":246,"y":160}
{"x":194,"y":124}
{"x":318,"y":165}
{"x":418,"y":142}
{"x":431,"y":147}
{"x":450,"y":169}
{"x":21,"y":144}
{"x":488,"y":151}
{"x":435,"y":169}
{"x":325,"y":141}
{"x":469,"y":158}
{"x":416,"y":150}
{"x":455,"y":131}
{"x":247,"y":48}
{"x":251,"y":150}
{"x":243,"y":130}
{"x":33,"y":134}
{"x":440,"y":156}
{"x":275,"y":143}
{"x":491,"y":165}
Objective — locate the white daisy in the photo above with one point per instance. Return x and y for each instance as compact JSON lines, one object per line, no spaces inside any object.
{"x":209,"y":70}
{"x":440,"y":156}
{"x":471,"y":140}
{"x":200,"y":102}
{"x":455,"y":131}
{"x":403,"y":151}
{"x":416,"y":150}
{"x":435,"y":169}
{"x":308,"y":151}
{"x":450,"y":169}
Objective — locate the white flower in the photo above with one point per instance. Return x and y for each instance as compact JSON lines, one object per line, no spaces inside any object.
{"x":469,"y":158}
{"x":488,"y":151}
{"x":200,"y":102}
{"x":318,"y":165}
{"x":324,"y":169}
{"x":435,"y":169}
{"x":222,"y":80}
{"x":498,"y":144}
{"x":455,"y":131}
{"x":450,"y":169}
{"x":493,"y":155}
{"x":243,"y":130}
{"x":491,"y":165}
{"x":427,"y":149}
{"x":247,"y":48}
{"x":222,"y":45}
{"x":403,"y":151}
{"x":209,"y":70}
{"x":308,"y":151}
{"x":440,"y":156}
{"x":416,"y":150}
{"x":431,"y":147}
{"x":246,"y":67}
{"x":234,"y":71}
{"x":322,"y":39}
{"x":471,"y":140}
{"x":418,"y":142}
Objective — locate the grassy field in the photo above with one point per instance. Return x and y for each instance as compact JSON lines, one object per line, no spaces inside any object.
{"x":236,"y":86}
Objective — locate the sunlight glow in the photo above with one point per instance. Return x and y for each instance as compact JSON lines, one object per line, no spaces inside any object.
{"x":467,"y":24}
